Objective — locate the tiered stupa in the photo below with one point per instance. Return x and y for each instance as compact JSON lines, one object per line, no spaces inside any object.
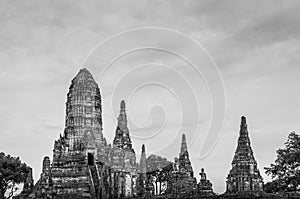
{"x":185,"y":164}
{"x":182,"y":179}
{"x":244,"y":175}
{"x":122,"y":159}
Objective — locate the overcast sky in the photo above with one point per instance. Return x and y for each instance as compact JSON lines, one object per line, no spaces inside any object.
{"x":255,"y":46}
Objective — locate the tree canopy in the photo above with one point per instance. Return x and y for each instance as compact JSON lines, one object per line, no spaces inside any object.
{"x":156,"y":162}
{"x":285,"y":172}
{"x":158,"y":169}
{"x":12,"y":172}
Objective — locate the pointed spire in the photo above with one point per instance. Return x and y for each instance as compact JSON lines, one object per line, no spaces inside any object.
{"x":122,"y":119}
{"x":183,"y":144}
{"x":143,"y":160}
{"x":243,"y":156}
{"x":122,"y":105}
{"x":184,"y":160}
{"x":243,"y":150}
{"x":243,"y":125}
{"x":142,"y":177}
{"x":122,"y":137}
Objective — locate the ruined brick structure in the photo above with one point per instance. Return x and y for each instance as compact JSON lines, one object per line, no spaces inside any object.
{"x":184,"y":162}
{"x":181,"y":180}
{"x":244,"y":175}
{"x":142,"y":182}
{"x":83,"y":165}
{"x":122,"y":159}
{"x":204,"y":185}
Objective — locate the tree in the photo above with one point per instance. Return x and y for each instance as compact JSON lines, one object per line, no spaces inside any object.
{"x":158,"y":169}
{"x":285,"y":172}
{"x":156,"y":162}
{"x":12,"y":173}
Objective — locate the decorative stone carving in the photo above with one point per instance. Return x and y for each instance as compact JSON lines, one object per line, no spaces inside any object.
{"x":204,"y":185}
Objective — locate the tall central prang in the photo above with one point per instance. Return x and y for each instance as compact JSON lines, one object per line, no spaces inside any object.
{"x":83,"y":165}
{"x":83,"y":127}
{"x":83,"y":109}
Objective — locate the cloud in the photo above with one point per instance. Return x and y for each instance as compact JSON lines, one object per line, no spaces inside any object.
{"x":255,"y":45}
{"x":276,"y":27}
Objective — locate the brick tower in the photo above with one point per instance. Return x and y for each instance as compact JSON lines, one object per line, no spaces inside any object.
{"x":244,"y":175}
{"x":78,"y":168}
{"x":185,"y":164}
{"x":182,"y":181}
{"x":123,"y":159}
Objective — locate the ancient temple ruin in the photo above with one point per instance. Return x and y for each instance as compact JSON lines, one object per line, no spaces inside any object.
{"x":122,"y":159}
{"x":182,"y":180}
{"x":83,"y":165}
{"x":244,"y":175}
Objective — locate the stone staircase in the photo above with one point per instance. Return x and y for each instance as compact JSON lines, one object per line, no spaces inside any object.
{"x":95,"y":180}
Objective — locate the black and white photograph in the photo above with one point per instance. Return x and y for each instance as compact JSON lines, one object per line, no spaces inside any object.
{"x":149,"y":99}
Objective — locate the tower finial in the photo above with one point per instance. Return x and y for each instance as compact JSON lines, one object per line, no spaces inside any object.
{"x":122,"y":105}
{"x":122,"y":138}
{"x":183,"y":144}
{"x":122,"y":119}
{"x":243,"y":124}
{"x":243,"y":119}
{"x":143,"y":164}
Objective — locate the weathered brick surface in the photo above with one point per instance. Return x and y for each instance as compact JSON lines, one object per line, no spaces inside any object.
{"x":83,"y":165}
{"x":244,"y":175}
